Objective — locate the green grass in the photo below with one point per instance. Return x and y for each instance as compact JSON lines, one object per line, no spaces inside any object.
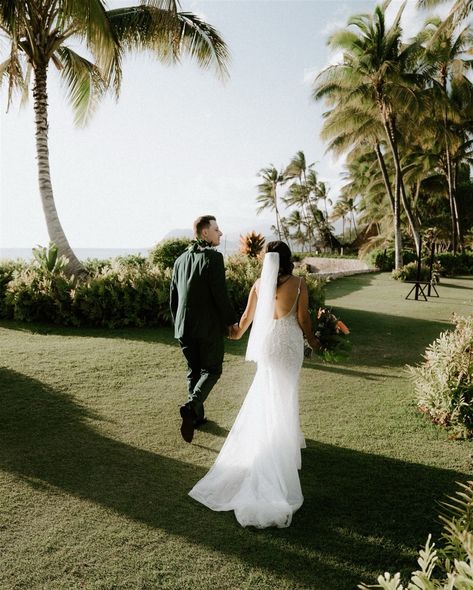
{"x":94,"y":475}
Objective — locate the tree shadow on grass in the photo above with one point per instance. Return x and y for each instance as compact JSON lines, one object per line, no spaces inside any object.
{"x":363,"y":514}
{"x":345,"y":285}
{"x":159,"y":334}
{"x":384,"y":340}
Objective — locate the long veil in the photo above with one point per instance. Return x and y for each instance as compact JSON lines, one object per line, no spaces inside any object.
{"x":264,"y":313}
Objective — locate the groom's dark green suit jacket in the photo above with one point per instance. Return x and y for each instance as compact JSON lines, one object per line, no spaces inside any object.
{"x":199,"y":300}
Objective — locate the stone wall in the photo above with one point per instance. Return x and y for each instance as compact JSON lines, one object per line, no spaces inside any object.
{"x":336,"y":267}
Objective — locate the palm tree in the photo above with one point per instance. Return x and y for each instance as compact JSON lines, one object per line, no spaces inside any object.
{"x":297,"y":222}
{"x":267,"y":196}
{"x":322,"y":194}
{"x":42,"y":33}
{"x":340,"y":211}
{"x":459,"y":11}
{"x":375,"y":70}
{"x":451,"y":90}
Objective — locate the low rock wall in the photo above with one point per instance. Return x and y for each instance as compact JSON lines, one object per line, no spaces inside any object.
{"x":336,"y":267}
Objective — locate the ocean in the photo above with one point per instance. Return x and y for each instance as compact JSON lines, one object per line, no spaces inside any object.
{"x":81,"y":253}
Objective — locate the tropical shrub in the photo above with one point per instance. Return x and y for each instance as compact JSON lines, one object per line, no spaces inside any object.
{"x":7,"y":271}
{"x":124,"y":295}
{"x":241,"y":273}
{"x":444,"y":381}
{"x":48,"y":259}
{"x":451,"y":566}
{"x":252,"y":244}
{"x":384,"y":259}
{"x":166,"y":252}
{"x":36,"y":294}
{"x":315,"y":288}
{"x":456,"y":264}
{"x":408,"y":272}
{"x":115,"y":293}
{"x":132,"y":260}
{"x":94,"y":265}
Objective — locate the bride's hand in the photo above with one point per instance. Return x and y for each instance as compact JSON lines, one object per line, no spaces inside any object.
{"x":314,"y":343}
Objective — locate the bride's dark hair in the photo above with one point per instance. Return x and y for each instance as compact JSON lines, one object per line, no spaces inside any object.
{"x":285,"y":257}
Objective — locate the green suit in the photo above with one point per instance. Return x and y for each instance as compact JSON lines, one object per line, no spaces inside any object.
{"x":201,"y":312}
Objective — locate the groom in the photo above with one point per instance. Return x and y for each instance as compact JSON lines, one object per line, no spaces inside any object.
{"x":202,"y":314}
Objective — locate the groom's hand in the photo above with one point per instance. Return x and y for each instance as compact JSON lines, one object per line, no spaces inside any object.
{"x":233,"y":332}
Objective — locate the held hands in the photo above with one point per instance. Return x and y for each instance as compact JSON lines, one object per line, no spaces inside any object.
{"x":234,"y":332}
{"x":314,"y":342}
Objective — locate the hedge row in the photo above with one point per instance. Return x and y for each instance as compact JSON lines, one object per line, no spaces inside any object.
{"x":123,"y":292}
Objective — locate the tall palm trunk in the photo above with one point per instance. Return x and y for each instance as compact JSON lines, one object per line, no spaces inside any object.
{"x":394,"y":205}
{"x":55,"y":231}
{"x":450,"y":174}
{"x":455,"y":209}
{"x":399,"y":192}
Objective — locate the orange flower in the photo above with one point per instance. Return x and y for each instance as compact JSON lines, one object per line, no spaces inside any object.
{"x":342,"y":328}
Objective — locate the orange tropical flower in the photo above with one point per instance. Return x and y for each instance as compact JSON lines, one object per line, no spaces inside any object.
{"x":341,"y":327}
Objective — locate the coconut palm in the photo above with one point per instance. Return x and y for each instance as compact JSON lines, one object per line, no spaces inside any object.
{"x":451,"y":93}
{"x":375,"y":70}
{"x":298,"y":224}
{"x":42,"y":33}
{"x":268,"y":194}
{"x":459,"y":11}
{"x":340,"y":211}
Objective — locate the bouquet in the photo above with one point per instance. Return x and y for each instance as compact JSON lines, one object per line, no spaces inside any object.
{"x":332,"y":334}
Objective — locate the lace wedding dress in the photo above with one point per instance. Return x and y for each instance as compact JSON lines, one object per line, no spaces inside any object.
{"x":256,"y":471}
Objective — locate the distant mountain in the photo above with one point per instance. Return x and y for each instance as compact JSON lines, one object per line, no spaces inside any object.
{"x":178,"y":233}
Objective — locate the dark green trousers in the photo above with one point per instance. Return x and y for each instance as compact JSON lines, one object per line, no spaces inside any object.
{"x":204,"y":358}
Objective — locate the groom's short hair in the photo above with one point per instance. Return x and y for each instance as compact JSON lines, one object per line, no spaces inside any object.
{"x":201,"y":223}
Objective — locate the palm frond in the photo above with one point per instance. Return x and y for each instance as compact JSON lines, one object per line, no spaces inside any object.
{"x":84,"y":82}
{"x":169,"y":35}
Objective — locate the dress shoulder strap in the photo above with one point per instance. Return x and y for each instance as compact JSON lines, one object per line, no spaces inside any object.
{"x":297,"y":296}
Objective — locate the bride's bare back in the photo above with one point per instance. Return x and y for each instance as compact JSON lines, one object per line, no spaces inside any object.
{"x":286,"y":295}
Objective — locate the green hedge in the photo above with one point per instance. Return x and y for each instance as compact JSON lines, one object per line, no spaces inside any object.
{"x":384,"y":259}
{"x":117,"y":293}
{"x":166,"y":252}
{"x":456,"y":264}
{"x":450,"y":264}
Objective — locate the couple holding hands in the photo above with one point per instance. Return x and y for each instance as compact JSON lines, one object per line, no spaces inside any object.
{"x":256,"y":471}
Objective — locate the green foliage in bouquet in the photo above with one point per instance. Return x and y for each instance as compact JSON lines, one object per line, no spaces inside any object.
{"x":332,"y":334}
{"x":166,"y":252}
{"x":451,"y":566}
{"x":444,"y":381}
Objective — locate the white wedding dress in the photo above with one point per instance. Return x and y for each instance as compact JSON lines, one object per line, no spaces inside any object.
{"x":256,"y":471}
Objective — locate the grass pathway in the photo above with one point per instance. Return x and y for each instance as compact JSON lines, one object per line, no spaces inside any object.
{"x":94,"y":475}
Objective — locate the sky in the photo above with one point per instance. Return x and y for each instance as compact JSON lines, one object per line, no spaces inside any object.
{"x":179,"y":143}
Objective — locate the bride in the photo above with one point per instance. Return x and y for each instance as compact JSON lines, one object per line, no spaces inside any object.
{"x":256,"y":471}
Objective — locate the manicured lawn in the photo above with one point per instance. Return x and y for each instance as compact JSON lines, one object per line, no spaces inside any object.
{"x":94,"y":474}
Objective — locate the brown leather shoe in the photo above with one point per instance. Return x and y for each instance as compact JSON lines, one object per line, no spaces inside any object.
{"x":187,"y":426}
